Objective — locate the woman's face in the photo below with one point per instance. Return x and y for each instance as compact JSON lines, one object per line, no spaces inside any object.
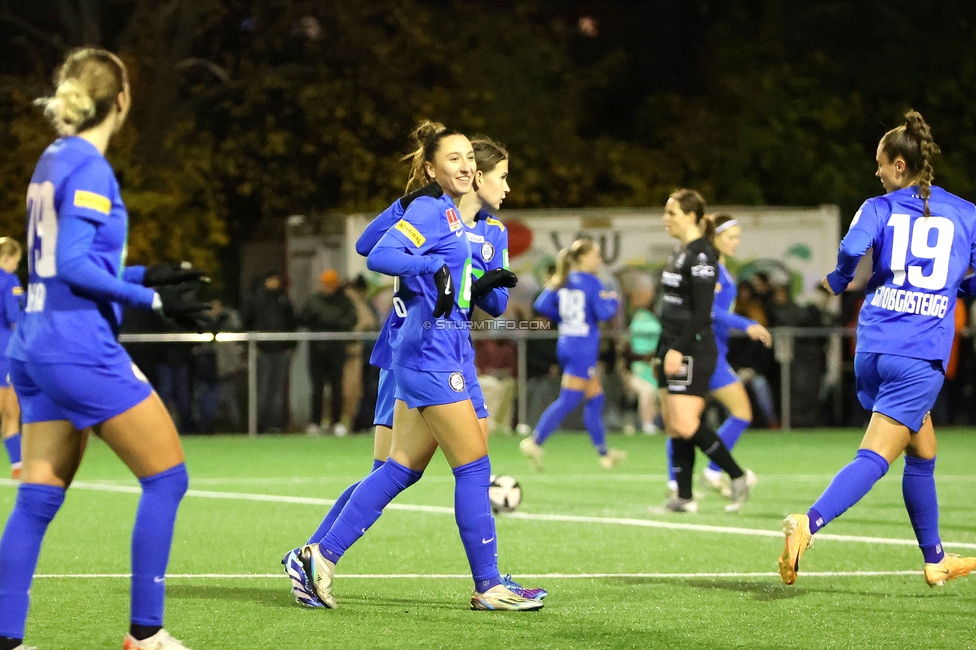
{"x":9,"y":263}
{"x":453,"y":166}
{"x":676,"y":220}
{"x":891,"y":172}
{"x":727,"y":241}
{"x":493,"y":186}
{"x":590,"y":262}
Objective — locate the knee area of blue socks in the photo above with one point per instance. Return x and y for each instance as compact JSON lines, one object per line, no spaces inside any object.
{"x":41,"y":501}
{"x":402,"y":475}
{"x":569,"y":398}
{"x":875,"y":458}
{"x":174,"y":482}
{"x":473,"y":468}
{"x":919,"y":466}
{"x":595,"y":403}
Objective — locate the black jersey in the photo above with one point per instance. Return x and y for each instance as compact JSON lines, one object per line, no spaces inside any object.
{"x":689,"y":289}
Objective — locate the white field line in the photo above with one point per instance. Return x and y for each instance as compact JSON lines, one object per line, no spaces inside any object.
{"x":460,"y":576}
{"x":620,"y":521}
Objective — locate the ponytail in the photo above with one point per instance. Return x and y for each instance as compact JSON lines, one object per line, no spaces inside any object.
{"x":566,"y":260}
{"x":87,"y":85}
{"x":713,"y":224}
{"x":426,"y":139}
{"x":914,"y":144}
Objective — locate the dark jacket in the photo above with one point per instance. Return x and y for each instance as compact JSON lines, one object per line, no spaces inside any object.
{"x":328,"y":313}
{"x":270,"y":311}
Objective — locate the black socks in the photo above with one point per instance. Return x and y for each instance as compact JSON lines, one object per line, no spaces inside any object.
{"x":713,"y":447}
{"x":683,"y":465}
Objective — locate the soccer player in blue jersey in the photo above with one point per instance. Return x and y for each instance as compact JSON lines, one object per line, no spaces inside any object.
{"x":687,"y":353}
{"x":923,"y":241}
{"x":429,"y":251}
{"x":11,"y":304}
{"x":577,"y":300}
{"x":725,"y":385}
{"x":69,"y":371}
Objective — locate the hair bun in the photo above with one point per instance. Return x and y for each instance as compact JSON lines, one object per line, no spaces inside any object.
{"x":72,"y":103}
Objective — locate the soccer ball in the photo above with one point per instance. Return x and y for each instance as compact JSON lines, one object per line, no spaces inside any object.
{"x":504,"y":493}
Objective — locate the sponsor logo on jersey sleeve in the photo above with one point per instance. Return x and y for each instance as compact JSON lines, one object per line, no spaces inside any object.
{"x":412,"y":233}
{"x":453,"y":221}
{"x":456,"y":381}
{"x":495,"y":222}
{"x":92,"y":201}
{"x":17,"y":291}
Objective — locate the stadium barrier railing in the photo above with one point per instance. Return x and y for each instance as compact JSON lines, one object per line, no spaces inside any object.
{"x":784,"y":341}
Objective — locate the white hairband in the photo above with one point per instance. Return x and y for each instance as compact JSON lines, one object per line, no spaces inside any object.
{"x":725,"y":226}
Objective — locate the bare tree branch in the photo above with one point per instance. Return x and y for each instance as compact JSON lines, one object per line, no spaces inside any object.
{"x":217,"y":71}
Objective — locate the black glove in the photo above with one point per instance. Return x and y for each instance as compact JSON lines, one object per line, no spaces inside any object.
{"x":492,"y":280}
{"x":432,"y":190}
{"x":159,"y":275}
{"x":445,"y":292}
{"x":180,"y":303}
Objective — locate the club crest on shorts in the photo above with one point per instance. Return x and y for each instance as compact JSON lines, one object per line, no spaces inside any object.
{"x":456,"y":381}
{"x":453,"y":221}
{"x":487,"y":251}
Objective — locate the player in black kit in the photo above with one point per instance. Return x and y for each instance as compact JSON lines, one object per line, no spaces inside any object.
{"x":686,"y":354}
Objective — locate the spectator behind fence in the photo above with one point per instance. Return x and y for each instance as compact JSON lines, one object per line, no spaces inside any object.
{"x":217,"y":367}
{"x":497,"y":362}
{"x":645,"y":331}
{"x":328,"y":310}
{"x":270,"y":310}
{"x":753,"y":361}
{"x":367,"y":320}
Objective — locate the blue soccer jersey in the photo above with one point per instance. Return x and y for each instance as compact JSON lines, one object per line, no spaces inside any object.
{"x":431,"y":228}
{"x":578,"y":307}
{"x":76,"y":249}
{"x":919,"y":263}
{"x":11,"y":306}
{"x":724,"y":318}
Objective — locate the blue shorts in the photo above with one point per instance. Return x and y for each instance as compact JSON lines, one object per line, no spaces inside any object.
{"x":576,"y":361}
{"x":723,"y":375}
{"x":902,"y":388}
{"x":83,"y":395}
{"x":422,"y":388}
{"x":474,"y":391}
{"x":385,"y":399}
{"x":4,"y":371}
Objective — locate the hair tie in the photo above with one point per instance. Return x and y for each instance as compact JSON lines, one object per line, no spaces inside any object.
{"x":725,"y":226}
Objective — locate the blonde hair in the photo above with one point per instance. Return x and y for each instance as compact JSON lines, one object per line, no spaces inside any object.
{"x":10,"y":247}
{"x":426,"y":139}
{"x":87,"y":85}
{"x":566,"y":259}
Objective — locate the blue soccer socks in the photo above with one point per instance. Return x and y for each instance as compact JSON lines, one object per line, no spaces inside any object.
{"x":848,"y":487}
{"x":13,"y":449}
{"x":472,"y":511}
{"x":729,"y":434}
{"x":365,"y":506}
{"x":922,"y":503}
{"x":337,"y":507}
{"x":593,"y":418}
{"x":553,"y":416}
{"x":152,"y":537}
{"x":20,"y":547}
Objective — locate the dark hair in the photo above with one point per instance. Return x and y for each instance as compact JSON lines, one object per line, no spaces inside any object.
{"x":426,"y":138}
{"x":692,"y":201}
{"x":487,"y":153}
{"x":88,"y":83}
{"x":913,"y":142}
{"x":565,"y":260}
{"x":715,"y":220}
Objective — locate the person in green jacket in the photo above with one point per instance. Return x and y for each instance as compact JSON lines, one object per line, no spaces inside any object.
{"x":645,"y":330}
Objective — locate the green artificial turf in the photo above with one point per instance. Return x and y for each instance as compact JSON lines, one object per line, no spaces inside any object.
{"x":237,"y":535}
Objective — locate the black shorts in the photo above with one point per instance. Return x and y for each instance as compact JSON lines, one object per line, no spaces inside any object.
{"x":696,"y":371}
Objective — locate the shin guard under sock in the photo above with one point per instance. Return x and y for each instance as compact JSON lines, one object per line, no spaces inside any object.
{"x":337,"y":507}
{"x":922,"y":503}
{"x":593,"y":418}
{"x":472,"y":511}
{"x":710,"y":444}
{"x":553,"y":416}
{"x":848,"y":487}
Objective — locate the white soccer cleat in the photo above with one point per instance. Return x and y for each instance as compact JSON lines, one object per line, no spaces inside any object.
{"x":677,"y":504}
{"x":340,"y":430}
{"x":159,"y":641}
{"x":718,"y":481}
{"x":500,"y":598}
{"x":741,"y":488}
{"x":533,"y":452}
{"x":612,"y":457}
{"x":321,"y":572}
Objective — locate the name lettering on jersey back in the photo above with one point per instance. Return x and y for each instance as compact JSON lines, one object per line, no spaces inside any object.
{"x":92,"y":201}
{"x":412,"y":233}
{"x":36,"y":297}
{"x":904,"y":301}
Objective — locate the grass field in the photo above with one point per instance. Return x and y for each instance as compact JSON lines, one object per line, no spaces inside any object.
{"x":653,"y":580}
